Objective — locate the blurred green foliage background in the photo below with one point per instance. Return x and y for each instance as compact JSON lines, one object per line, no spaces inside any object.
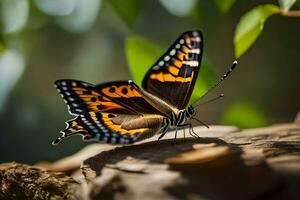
{"x":104,"y":40}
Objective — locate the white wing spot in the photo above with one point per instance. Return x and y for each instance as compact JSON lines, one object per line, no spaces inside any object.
{"x":161,"y":63}
{"x":155,"y":67}
{"x":191,"y":63}
{"x":197,"y":39}
{"x":105,"y":130}
{"x":96,"y":130}
{"x":177,"y":46}
{"x":181,"y":41}
{"x":98,"y":136}
{"x":113,"y":140}
{"x":195,"y":33}
{"x":197,"y":51}
{"x":122,"y":140}
{"x":167,"y":58}
{"x":115,"y":135}
{"x":173,"y":52}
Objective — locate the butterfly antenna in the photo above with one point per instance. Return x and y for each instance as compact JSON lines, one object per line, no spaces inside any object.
{"x":222,"y":79}
{"x":211,"y":100}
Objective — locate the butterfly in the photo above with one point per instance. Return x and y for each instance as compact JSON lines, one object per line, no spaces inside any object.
{"x":121,"y":112}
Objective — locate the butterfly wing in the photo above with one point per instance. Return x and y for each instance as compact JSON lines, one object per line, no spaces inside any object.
{"x":173,"y":76}
{"x":115,"y":97}
{"x":82,"y":97}
{"x":116,"y":112}
{"x":129,"y":95}
{"x":112,"y":128}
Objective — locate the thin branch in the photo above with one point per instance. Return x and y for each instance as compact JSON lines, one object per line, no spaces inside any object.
{"x":293,"y":13}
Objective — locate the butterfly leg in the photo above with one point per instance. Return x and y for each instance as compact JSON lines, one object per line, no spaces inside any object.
{"x":175,"y":136}
{"x":191,"y":130}
{"x":191,"y":127}
{"x":162,"y":134}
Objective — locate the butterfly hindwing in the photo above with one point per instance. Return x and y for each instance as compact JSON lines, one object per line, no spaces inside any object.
{"x":111,"y":128}
{"x":172,"y":77}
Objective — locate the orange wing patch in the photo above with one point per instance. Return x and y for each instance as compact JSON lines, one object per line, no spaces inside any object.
{"x":125,"y":91}
{"x":173,"y":70}
{"x":76,"y":125}
{"x":95,"y":101}
{"x":177,"y":63}
{"x":181,"y":55}
{"x":166,"y":77}
{"x":82,"y":97}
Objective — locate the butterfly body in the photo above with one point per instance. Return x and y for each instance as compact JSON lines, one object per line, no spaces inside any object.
{"x":121,"y":112}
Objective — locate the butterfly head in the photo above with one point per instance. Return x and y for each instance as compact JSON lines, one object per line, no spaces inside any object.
{"x":190,"y":111}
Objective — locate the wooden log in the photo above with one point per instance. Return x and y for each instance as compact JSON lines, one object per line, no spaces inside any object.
{"x":223,"y":163}
{"x":19,"y":181}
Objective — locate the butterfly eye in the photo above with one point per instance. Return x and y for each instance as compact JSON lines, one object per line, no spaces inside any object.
{"x":191,"y":110}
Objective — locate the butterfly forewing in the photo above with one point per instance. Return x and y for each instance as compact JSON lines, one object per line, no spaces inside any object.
{"x":127,"y":94}
{"x":82,"y":97}
{"x":173,"y":76}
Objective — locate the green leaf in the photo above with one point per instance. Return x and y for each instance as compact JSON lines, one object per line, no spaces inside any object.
{"x":250,"y":27}
{"x":15,"y":14}
{"x":179,"y":8}
{"x":128,"y":10}
{"x":286,"y":4}
{"x":244,"y":115}
{"x":224,"y":6}
{"x":141,"y":55}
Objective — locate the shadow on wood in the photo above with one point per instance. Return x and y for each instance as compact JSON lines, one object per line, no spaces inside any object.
{"x":154,"y":152}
